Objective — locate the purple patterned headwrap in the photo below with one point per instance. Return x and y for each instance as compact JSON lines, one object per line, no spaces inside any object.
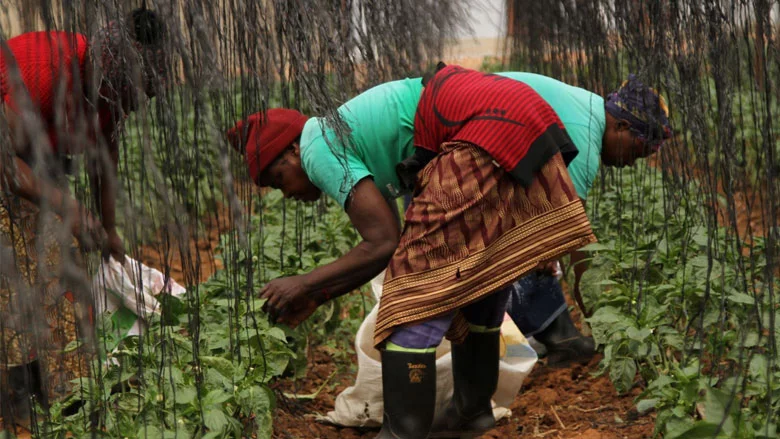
{"x":643,"y":108}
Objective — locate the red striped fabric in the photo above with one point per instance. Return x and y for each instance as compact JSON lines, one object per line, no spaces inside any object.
{"x":500,"y":115}
{"x":46,"y":61}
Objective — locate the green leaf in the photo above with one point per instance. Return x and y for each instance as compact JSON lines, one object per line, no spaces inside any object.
{"x":743,"y":298}
{"x":704,"y":430}
{"x":766,"y":431}
{"x":276,"y":333}
{"x":718,"y":407}
{"x":622,"y":373}
{"x":678,"y":427}
{"x":660,"y":382}
{"x":638,"y":334}
{"x":759,"y":367}
{"x":185,"y":395}
{"x":216,"y":379}
{"x":215,"y":420}
{"x":130,"y":402}
{"x":700,"y":261}
{"x":607,"y":315}
{"x":751,"y":339}
{"x":216,"y":397}
{"x":594,"y":247}
{"x":265,"y":425}
{"x":646,"y":405}
{"x":223,"y":365}
{"x":150,"y":432}
{"x":276,"y":363}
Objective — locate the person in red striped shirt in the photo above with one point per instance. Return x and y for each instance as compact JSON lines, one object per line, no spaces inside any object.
{"x":61,"y":94}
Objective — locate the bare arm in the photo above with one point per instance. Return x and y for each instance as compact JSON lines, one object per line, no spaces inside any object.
{"x":104,"y":181}
{"x":293,"y":299}
{"x":379,"y":227}
{"x":23,"y":182}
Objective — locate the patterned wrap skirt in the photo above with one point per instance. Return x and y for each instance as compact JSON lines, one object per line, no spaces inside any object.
{"x":41,"y":316}
{"x":472,"y":229}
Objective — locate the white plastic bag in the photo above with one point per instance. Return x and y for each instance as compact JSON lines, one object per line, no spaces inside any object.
{"x":361,"y":405}
{"x":131,"y":285}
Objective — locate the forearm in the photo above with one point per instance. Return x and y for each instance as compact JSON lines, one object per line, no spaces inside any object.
{"x":108,"y":204}
{"x":24,"y":183}
{"x":354,"y":269}
{"x":104,"y":184}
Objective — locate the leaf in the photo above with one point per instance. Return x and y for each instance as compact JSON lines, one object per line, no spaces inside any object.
{"x":223,"y":365}
{"x":719,"y":405}
{"x":130,"y":402}
{"x":751,"y":339}
{"x":677,"y":427}
{"x":215,"y":420}
{"x":700,"y":238}
{"x":699,"y":261}
{"x":606,"y":282}
{"x":622,"y":373}
{"x":256,"y":399}
{"x":646,"y":405}
{"x":638,"y":334}
{"x":607,"y":315}
{"x":185,"y":395}
{"x":265,"y":425}
{"x":660,"y":382}
{"x":276,"y":363}
{"x":172,"y":308}
{"x":150,"y":432}
{"x":704,"y":430}
{"x":276,"y":333}
{"x":759,"y":367}
{"x":72,"y":346}
{"x":216,"y":379}
{"x":737,"y":297}
{"x":216,"y":397}
{"x":594,"y":247}
{"x":766,"y":431}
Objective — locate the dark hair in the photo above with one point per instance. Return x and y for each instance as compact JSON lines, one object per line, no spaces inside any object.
{"x":148,"y":29}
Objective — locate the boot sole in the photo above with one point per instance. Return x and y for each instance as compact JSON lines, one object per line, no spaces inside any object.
{"x":457,"y":435}
{"x":562,"y":361}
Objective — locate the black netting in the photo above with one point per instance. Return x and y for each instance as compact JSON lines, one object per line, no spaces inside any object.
{"x":683,"y":282}
{"x":681,"y":289}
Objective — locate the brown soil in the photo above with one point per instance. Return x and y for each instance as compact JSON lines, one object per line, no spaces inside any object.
{"x":554,"y":403}
{"x":751,"y":210}
{"x":199,"y":262}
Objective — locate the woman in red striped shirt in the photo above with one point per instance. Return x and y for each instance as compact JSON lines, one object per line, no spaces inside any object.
{"x":62,"y":94}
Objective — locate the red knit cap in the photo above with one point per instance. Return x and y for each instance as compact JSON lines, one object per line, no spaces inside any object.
{"x":267,"y":136}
